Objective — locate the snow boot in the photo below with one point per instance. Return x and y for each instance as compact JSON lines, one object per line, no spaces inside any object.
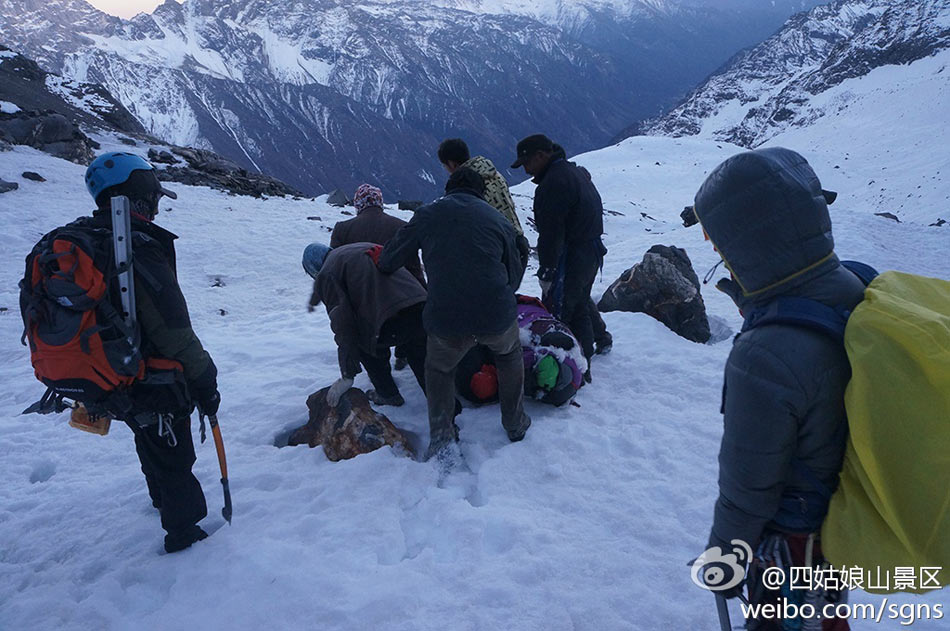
{"x":378,"y":399}
{"x":604,"y":345}
{"x":518,"y":434}
{"x":179,"y":540}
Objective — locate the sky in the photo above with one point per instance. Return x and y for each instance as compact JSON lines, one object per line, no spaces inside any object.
{"x":125,"y":8}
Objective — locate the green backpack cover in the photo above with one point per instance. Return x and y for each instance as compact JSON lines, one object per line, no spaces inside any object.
{"x":892,"y":507}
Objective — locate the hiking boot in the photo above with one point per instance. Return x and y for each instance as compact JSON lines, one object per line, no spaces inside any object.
{"x":587,"y":377}
{"x":518,"y":434}
{"x":395,"y":400}
{"x":400,"y":363}
{"x":604,"y":345}
{"x":179,"y":540}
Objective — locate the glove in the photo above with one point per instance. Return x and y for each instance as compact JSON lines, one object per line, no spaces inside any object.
{"x":374,"y":253}
{"x":338,"y":389}
{"x":545,"y":286}
{"x":208,"y":405}
{"x":311,"y":308}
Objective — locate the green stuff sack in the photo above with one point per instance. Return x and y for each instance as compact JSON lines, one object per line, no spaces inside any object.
{"x":892,"y":507}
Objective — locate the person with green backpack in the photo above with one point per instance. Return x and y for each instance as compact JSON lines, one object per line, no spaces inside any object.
{"x":785,"y":425}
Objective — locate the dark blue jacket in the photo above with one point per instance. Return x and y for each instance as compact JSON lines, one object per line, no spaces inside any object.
{"x":472,"y":261}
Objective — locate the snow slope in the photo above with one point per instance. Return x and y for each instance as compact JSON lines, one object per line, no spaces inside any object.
{"x":587,"y":524}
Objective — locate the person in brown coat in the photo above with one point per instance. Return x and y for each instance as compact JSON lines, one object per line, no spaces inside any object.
{"x":371,"y":225}
{"x":370,"y":312}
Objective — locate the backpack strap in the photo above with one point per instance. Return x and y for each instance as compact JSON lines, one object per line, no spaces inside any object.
{"x":802,"y":312}
{"x":862,"y":270}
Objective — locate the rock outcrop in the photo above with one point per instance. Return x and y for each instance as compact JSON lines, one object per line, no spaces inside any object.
{"x":348,"y":430}
{"x":665,"y":287}
{"x":49,"y":132}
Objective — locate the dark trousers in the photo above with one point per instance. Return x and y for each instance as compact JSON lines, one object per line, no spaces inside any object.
{"x":174,"y":489}
{"x":569,"y":298}
{"x":442,"y":360}
{"x":405,"y":331}
{"x":601,"y":335}
{"x":760,"y":595}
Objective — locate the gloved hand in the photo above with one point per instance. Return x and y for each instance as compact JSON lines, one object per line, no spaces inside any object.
{"x":337,"y":390}
{"x":208,"y":404}
{"x":311,"y":308}
{"x":545,"y":286}
{"x":374,"y":253}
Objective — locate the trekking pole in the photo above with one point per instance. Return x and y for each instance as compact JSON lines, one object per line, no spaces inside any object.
{"x":223,"y":462}
{"x":723,"y":608}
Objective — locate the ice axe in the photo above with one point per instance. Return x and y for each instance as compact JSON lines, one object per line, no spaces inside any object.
{"x":222,"y":461}
{"x":723,"y":608}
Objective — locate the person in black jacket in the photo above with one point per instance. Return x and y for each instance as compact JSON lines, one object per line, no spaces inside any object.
{"x":568,"y":215}
{"x":163,"y":438}
{"x":474,"y":264}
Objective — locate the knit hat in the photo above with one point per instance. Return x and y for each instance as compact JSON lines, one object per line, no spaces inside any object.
{"x":484,"y":383}
{"x":546,"y":373}
{"x":366,"y":196}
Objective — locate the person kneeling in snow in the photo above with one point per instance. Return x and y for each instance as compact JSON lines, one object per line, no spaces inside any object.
{"x":554,"y":363}
{"x":370,"y":312}
{"x":785,"y":426}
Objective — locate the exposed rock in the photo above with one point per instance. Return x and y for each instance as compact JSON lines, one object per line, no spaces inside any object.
{"x":161,"y":157}
{"x":350,"y":429}
{"x":49,"y":132}
{"x":6,"y":187}
{"x":891,"y":216}
{"x":938,"y":223}
{"x":23,"y":82}
{"x":31,"y":175}
{"x":665,"y":287}
{"x":206,"y":168}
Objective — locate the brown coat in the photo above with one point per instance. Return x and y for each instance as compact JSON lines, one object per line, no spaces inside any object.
{"x":359,"y":299}
{"x":371,"y":225}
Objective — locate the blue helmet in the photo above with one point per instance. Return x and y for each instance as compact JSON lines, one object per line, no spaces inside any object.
{"x":112,"y":169}
{"x":313,"y":257}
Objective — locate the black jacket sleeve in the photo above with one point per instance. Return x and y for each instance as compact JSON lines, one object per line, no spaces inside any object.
{"x":343,"y":323}
{"x":402,"y":248}
{"x":553,"y":201}
{"x":513,"y":259}
{"x":166,"y":324}
{"x":760,"y":435}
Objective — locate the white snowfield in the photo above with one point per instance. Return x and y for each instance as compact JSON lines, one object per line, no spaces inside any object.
{"x":588,"y":524}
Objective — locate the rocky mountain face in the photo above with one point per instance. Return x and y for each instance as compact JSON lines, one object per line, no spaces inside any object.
{"x":62,"y":117}
{"x":328,"y":93}
{"x":779,"y":84}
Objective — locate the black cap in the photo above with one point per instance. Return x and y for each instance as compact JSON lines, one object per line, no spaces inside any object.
{"x":528,"y":146}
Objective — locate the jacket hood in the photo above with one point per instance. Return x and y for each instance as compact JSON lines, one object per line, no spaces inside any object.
{"x":481,"y":165}
{"x":767,"y":216}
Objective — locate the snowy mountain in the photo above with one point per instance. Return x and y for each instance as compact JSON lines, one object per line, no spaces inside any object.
{"x":329,"y":93}
{"x":786,"y":81}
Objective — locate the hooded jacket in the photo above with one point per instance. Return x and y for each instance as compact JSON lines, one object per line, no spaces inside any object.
{"x":473,"y":261}
{"x":496,"y":189}
{"x":359,"y":299}
{"x":568,"y":213}
{"x":783,"y":395}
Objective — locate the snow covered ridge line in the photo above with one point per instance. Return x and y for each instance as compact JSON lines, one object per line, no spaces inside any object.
{"x":771,"y":88}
